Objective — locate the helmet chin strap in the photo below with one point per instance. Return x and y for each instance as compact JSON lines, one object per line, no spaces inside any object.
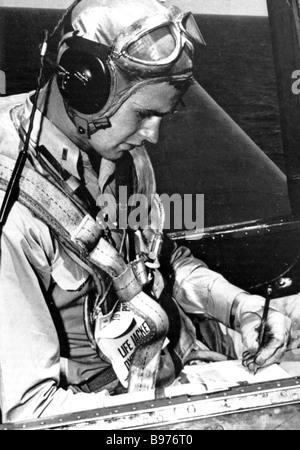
{"x":86,"y":128}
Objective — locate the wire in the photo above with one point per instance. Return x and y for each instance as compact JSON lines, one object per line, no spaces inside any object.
{"x":273,"y":280}
{"x":12,"y":189}
{"x":11,"y":192}
{"x":62,"y":19}
{"x":38,"y":90}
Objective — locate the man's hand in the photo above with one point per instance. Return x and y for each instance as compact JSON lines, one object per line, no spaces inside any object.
{"x":248,"y":317}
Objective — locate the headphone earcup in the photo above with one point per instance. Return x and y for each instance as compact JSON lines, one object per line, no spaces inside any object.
{"x":84,"y":81}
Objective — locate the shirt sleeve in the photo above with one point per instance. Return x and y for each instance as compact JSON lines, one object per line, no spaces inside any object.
{"x":198,"y":289}
{"x":29,"y":346}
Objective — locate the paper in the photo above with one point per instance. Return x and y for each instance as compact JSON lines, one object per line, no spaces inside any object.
{"x":225,"y":374}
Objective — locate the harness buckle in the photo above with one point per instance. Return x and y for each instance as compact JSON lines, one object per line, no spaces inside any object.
{"x":155,"y":246}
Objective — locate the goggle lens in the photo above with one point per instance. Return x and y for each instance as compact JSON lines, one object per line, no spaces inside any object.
{"x":156,"y":45}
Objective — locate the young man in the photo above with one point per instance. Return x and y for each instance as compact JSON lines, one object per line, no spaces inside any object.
{"x":70,"y":287}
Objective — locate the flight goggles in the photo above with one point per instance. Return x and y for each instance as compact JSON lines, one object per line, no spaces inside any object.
{"x":156,"y":46}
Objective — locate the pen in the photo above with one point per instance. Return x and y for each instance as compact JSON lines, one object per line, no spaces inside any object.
{"x":11,"y":193}
{"x":265,"y":316}
{"x":262,"y":327}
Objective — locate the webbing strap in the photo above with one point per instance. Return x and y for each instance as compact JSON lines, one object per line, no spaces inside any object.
{"x":80,"y":233}
{"x":145,"y":363}
{"x":51,"y":204}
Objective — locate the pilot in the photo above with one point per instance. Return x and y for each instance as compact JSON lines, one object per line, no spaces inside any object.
{"x":90,"y":308}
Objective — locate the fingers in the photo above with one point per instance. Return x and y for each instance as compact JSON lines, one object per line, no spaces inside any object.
{"x":275,"y":342}
{"x":265,"y":357}
{"x":271,"y":354}
{"x":249,"y":362}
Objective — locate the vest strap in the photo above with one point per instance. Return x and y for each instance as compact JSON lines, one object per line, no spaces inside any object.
{"x":80,"y":234}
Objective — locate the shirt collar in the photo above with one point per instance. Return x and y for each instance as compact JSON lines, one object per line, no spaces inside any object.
{"x":46,"y":133}
{"x":61,"y":147}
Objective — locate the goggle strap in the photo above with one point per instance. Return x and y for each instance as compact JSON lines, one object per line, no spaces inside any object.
{"x":87,"y":46}
{"x":198,"y":39}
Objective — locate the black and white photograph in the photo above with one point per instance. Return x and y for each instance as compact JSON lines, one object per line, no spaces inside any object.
{"x":149,"y":217}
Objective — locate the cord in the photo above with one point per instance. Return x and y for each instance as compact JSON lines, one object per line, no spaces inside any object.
{"x":11,"y":193}
{"x":62,"y":19}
